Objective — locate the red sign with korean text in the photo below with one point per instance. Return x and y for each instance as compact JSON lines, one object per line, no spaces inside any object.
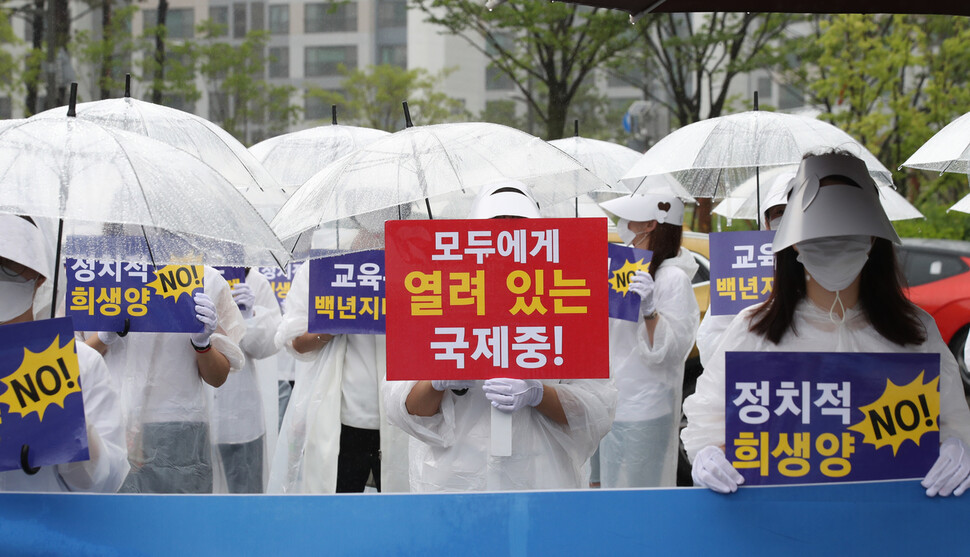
{"x":478,"y":299}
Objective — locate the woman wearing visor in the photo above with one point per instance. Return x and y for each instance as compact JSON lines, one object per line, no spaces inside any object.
{"x":837,"y":287}
{"x":647,"y":356}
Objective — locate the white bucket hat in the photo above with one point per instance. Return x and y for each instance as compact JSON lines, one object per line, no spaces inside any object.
{"x":843,"y":209}
{"x":505,"y":199}
{"x":663,"y":208}
{"x":24,"y":243}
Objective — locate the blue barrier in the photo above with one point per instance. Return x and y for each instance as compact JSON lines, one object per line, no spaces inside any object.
{"x":865,"y":518}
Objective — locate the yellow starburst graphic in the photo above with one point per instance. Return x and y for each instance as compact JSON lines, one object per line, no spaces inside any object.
{"x":171,"y":281}
{"x":43,"y":378}
{"x":620,"y":281}
{"x":901,"y":413}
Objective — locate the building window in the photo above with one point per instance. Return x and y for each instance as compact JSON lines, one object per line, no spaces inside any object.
{"x":395,"y":55}
{"x":179,"y":23}
{"x":392,"y":13}
{"x":279,"y":61}
{"x":497,"y":80}
{"x":6,"y":108}
{"x":257,"y":16}
{"x":220,"y":16}
{"x":765,"y":89}
{"x":789,"y":98}
{"x":238,"y":20}
{"x":314,"y":108}
{"x":330,"y":17}
{"x":322,"y":61}
{"x":279,"y":19}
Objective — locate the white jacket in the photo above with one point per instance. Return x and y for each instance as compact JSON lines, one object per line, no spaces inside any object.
{"x":815,"y":333}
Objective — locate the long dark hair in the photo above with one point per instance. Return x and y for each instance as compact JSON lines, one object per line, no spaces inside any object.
{"x":664,"y":243}
{"x":880,"y":296}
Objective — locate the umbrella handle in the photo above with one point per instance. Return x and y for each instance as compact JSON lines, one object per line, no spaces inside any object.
{"x":24,"y":457}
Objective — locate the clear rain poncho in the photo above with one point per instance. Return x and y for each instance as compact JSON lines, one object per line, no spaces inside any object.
{"x":305,"y":460}
{"x":641,"y":449}
{"x":816,"y":333}
{"x":166,"y":411}
{"x":450,"y":450}
{"x":239,"y":426}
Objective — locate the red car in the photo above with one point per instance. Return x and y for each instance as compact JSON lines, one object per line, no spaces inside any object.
{"x":938,"y":273}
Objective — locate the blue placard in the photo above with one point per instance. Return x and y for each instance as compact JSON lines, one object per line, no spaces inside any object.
{"x":624,"y":262}
{"x":810,"y":417}
{"x":742,"y":270}
{"x":347,"y":293}
{"x":280,"y":279}
{"x":102,"y":294}
{"x":40,"y":395}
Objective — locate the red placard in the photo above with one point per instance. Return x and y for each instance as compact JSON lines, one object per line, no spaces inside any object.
{"x":477,"y":299}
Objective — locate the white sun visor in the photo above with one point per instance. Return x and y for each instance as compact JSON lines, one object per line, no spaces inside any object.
{"x":665,"y":209}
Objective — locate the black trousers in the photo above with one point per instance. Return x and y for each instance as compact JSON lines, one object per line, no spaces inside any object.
{"x":360,"y":456}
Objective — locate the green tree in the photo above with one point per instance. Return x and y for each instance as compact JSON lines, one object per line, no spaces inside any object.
{"x":109,"y":52}
{"x":372,"y":97}
{"x":548,"y":49}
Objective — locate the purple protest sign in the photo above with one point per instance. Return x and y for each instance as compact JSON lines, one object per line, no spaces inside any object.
{"x":624,"y":262}
{"x":281,"y":279}
{"x":742,"y":270}
{"x":233,"y":275}
{"x":814,"y":417}
{"x":40,"y":394}
{"x":347,"y":293}
{"x":102,"y":294}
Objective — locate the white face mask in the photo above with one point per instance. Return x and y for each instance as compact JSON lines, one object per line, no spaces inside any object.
{"x":835,"y":262}
{"x":16,"y":296}
{"x":627,"y":236}
{"x":775,"y":223}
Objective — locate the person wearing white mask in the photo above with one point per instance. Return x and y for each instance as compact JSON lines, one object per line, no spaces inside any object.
{"x":837,"y":287}
{"x":647,"y":356}
{"x":556,"y":425}
{"x":239,"y":426}
{"x":713,"y":326}
{"x":25,"y":264}
{"x":335,"y":435}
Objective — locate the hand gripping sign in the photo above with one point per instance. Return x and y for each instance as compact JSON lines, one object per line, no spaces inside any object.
{"x":102,"y":294}
{"x":40,"y":395}
{"x":477,"y":299}
{"x":811,"y":417}
{"x":624,"y":263}
{"x":742,"y":270}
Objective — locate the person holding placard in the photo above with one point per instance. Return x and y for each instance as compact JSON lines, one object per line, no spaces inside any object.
{"x":160,"y":377}
{"x":647,"y":356}
{"x":26,"y":263}
{"x":555,"y":425}
{"x":837,"y":288}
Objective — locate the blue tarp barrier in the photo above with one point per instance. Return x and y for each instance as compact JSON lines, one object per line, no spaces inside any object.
{"x":866,"y":518}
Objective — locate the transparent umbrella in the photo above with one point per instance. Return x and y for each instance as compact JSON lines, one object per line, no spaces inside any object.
{"x":123,"y":196}
{"x":712,"y":157}
{"x":420,"y":163}
{"x":293,"y":158}
{"x":947,"y":151}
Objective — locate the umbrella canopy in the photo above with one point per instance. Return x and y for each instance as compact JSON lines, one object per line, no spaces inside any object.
{"x":712,"y":157}
{"x":127,"y":197}
{"x":420,"y":163}
{"x":947,"y":151}
{"x":293,"y":158}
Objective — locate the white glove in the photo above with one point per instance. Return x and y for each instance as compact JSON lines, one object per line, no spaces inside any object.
{"x":642,"y":285}
{"x":509,"y":395}
{"x":712,"y":470}
{"x":108,"y":337}
{"x":205,"y":311}
{"x":244,"y":298}
{"x":442,"y":385}
{"x":951,"y":472}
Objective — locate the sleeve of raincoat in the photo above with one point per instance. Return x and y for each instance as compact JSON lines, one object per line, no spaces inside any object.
{"x":232,"y":327}
{"x":295,"y":321}
{"x":709,"y":335}
{"x":437,"y":430}
{"x":677,"y":320}
{"x":260,"y":339}
{"x":954,"y":413}
{"x":705,"y":408}
{"x":102,"y":411}
{"x":589,"y":405}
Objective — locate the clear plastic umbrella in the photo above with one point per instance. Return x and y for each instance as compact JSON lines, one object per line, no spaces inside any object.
{"x":293,"y":158}
{"x":123,"y":196}
{"x":947,"y":151}
{"x":421,"y":163}
{"x":712,"y":157}
{"x":741,"y":204}
{"x":188,"y":132}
